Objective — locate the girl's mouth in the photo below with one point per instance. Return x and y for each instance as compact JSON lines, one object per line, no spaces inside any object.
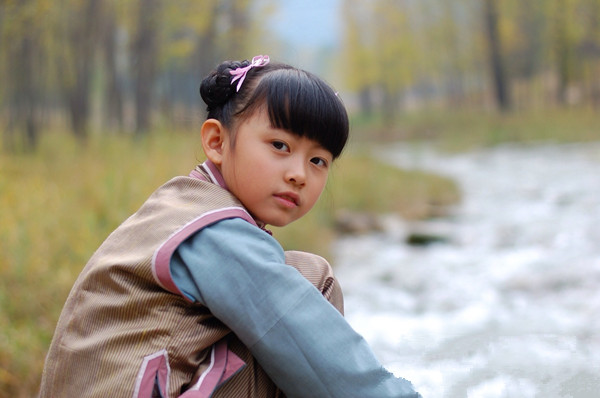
{"x":288,"y":199}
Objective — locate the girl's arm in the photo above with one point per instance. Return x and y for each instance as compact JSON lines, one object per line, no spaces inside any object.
{"x":298,"y":337}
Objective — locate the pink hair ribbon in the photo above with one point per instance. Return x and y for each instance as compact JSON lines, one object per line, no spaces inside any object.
{"x":240,"y":73}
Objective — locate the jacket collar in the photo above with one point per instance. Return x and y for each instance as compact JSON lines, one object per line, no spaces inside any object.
{"x":209,"y":172}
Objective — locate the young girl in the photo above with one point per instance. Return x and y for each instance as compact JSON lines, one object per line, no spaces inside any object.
{"x":192,"y":297}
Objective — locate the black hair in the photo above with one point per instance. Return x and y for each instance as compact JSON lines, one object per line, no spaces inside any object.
{"x":296,"y":101}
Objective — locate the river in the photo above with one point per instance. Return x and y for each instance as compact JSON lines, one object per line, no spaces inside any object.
{"x":509,"y":304}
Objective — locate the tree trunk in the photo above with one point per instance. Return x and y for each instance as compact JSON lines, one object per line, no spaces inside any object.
{"x":83,"y":40}
{"x":561,"y":47}
{"x":365,"y":99}
{"x":500,"y":81}
{"x":390,"y":106}
{"x":22,"y":89}
{"x":205,"y":54}
{"x":28,"y":104}
{"x":145,"y":62}
{"x":594,"y":54}
{"x":205,"y":57}
{"x":114,"y":95}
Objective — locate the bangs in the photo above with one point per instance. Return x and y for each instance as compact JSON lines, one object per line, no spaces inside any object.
{"x":302,"y":104}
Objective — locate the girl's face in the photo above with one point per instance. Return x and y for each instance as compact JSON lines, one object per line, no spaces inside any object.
{"x":278,"y":176}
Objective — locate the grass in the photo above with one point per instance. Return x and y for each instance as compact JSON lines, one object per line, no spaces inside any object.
{"x":463,"y":130}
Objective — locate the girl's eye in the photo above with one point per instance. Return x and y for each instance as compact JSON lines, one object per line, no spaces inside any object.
{"x":280,"y":146}
{"x":319,"y":162}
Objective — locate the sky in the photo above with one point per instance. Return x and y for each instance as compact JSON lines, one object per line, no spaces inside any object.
{"x":311,"y":31}
{"x":310,"y":23}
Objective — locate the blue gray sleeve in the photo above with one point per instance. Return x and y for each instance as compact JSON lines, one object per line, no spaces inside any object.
{"x":298,"y":337}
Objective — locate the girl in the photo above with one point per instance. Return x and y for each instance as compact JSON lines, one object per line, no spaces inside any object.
{"x":192,"y":297}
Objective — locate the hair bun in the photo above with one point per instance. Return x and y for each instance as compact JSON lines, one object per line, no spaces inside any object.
{"x":216,"y":88}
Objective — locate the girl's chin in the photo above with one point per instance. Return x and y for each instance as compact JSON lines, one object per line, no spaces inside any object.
{"x":276,"y":223}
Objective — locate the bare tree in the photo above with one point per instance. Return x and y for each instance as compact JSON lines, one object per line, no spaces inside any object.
{"x":145,"y":53}
{"x":561,"y":47}
{"x":25,"y":93}
{"x":82,"y":36}
{"x":500,"y":80}
{"x":114,"y":92}
{"x":589,"y":50}
{"x":22,"y":54}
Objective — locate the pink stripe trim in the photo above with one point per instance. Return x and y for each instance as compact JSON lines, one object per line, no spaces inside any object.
{"x":215,"y":174}
{"x":154,"y":365}
{"x":224,"y":364}
{"x":198,"y":175}
{"x":162,"y":256}
{"x":234,"y":364}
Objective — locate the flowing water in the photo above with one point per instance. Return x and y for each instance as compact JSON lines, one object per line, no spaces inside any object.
{"x":509,"y":305}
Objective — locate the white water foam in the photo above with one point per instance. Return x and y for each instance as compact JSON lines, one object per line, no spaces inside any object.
{"x":508,"y":307}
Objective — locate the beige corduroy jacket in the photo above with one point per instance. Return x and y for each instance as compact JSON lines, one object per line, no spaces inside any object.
{"x":127,"y":331}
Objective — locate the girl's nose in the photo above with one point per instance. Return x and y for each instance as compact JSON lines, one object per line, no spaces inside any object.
{"x":296,"y":174}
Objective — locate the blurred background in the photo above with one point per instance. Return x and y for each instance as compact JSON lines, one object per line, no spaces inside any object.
{"x":131,"y":66}
{"x":461,"y":220}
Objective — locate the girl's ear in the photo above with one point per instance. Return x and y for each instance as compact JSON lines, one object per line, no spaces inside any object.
{"x":214,"y":137}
